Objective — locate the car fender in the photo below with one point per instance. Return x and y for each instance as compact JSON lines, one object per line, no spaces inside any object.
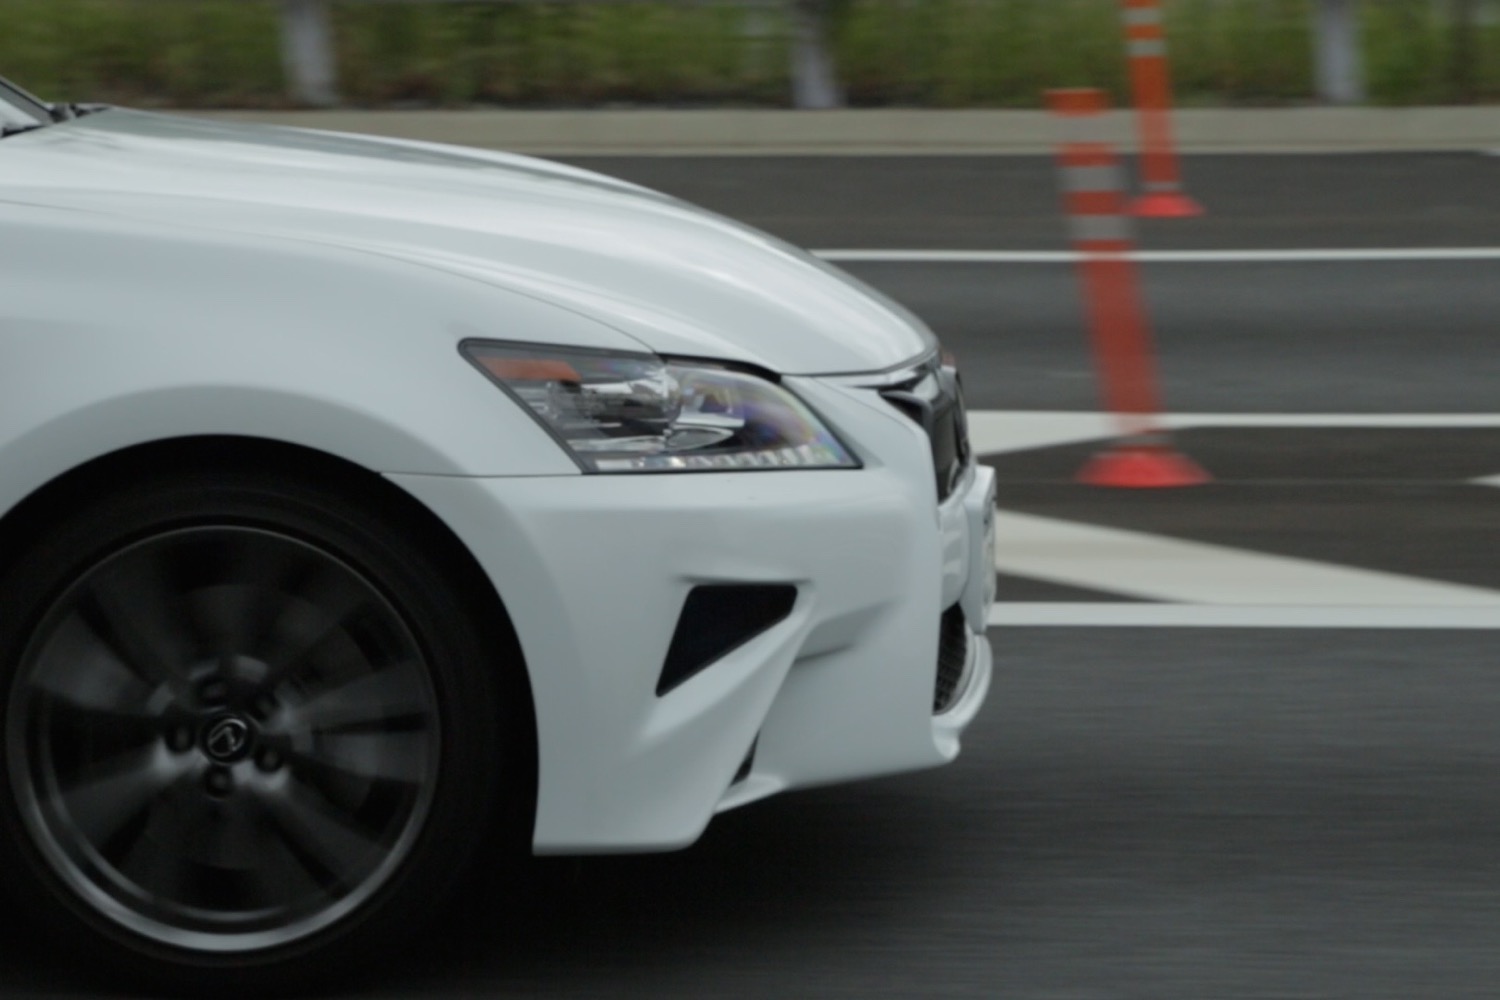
{"x":348,"y":353}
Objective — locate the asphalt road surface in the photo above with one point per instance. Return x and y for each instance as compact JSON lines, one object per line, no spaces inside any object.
{"x":1146,"y":813}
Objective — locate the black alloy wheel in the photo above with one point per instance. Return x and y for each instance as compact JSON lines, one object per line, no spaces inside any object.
{"x":250,"y":724}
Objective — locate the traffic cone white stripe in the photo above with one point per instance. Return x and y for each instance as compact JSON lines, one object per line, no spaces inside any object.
{"x":1095,"y":178}
{"x":1100,"y":229}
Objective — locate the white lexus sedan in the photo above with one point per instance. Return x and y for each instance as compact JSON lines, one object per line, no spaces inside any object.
{"x":373,"y":510}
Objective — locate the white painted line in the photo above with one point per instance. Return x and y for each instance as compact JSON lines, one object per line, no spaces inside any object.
{"x":1091,"y":615}
{"x":1398,"y":421}
{"x":996,"y":432}
{"x":1136,"y":564}
{"x":1487,"y":481}
{"x":1112,"y":229}
{"x":1328,"y":256}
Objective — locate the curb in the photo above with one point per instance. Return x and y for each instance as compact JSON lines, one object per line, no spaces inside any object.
{"x":899,"y":132}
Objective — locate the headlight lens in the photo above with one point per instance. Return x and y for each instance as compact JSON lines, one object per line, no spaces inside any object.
{"x":621,"y":412}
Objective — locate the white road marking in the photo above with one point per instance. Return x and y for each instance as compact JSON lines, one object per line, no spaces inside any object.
{"x":1167,"y":569}
{"x":1099,"y":615}
{"x":1222,"y":587}
{"x":1210,"y":586}
{"x":1328,"y":256}
{"x":995,"y":432}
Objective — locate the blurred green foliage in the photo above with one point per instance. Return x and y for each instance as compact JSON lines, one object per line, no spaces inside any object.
{"x":1420,"y":53}
{"x":944,"y":53}
{"x":1248,"y":51}
{"x":559,"y":53}
{"x":175,"y":52}
{"x":976,"y":52}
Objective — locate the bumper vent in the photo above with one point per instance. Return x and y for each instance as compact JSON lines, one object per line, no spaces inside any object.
{"x":717,"y":618}
{"x":953,"y":656}
{"x":931,"y":395}
{"x":747,"y":764}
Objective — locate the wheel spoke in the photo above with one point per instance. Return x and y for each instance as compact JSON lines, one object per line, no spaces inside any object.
{"x":222,"y":617}
{"x":132,"y":613}
{"x":309,"y":637}
{"x":79,"y":669}
{"x":161,"y":867}
{"x":238,"y":588}
{"x":108,"y":794}
{"x":264,"y":574}
{"x":221,"y":834}
{"x":395,"y":692}
{"x":335,"y":852}
{"x":227,"y":734}
{"x":280,"y":875}
{"x":399,"y":757}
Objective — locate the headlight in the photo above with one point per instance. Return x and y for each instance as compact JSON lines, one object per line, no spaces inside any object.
{"x":621,"y":412}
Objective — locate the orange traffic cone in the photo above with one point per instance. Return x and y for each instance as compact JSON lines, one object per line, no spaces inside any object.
{"x":1150,"y":76}
{"x":1095,"y":200}
{"x":1142,"y":462}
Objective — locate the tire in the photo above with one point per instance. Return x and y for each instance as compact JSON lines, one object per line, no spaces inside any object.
{"x":253,"y":731}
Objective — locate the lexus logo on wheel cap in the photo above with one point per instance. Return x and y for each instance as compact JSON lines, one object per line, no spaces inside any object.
{"x":227,"y":740}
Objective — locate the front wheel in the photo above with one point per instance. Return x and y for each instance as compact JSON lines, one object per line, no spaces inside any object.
{"x":249,"y":725}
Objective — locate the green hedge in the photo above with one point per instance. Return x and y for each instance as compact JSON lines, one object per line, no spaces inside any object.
{"x":946,"y":53}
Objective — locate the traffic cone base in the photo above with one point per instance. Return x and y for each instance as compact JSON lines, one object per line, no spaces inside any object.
{"x":1165,"y":205}
{"x":1142,"y":467}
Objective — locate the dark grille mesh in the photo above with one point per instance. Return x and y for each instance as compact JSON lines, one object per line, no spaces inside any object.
{"x":949,"y":448}
{"x":932,"y":398}
{"x":953,"y":654}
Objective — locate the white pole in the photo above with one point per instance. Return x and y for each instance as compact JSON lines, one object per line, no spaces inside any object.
{"x":307,"y":52}
{"x":814,"y":81}
{"x":1340,"y":68}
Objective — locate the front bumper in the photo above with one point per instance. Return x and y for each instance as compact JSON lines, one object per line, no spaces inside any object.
{"x":594,"y":571}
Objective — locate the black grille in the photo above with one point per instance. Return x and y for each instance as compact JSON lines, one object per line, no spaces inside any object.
{"x":933,"y":397}
{"x":950,"y":448}
{"x":717,"y":618}
{"x":953,"y":655}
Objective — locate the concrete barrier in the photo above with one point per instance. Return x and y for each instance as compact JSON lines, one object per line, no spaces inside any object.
{"x":899,"y":132}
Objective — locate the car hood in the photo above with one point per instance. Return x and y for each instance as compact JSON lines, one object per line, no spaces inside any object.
{"x":675,"y":278}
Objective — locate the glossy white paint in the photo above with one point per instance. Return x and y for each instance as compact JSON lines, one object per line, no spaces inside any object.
{"x":595,"y":569}
{"x":674,"y":277}
{"x":119,"y":333}
{"x":163,"y":277}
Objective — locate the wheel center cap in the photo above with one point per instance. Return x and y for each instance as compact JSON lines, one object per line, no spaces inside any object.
{"x":226,"y":740}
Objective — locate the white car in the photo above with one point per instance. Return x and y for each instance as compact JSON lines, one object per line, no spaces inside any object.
{"x":371,"y":510}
